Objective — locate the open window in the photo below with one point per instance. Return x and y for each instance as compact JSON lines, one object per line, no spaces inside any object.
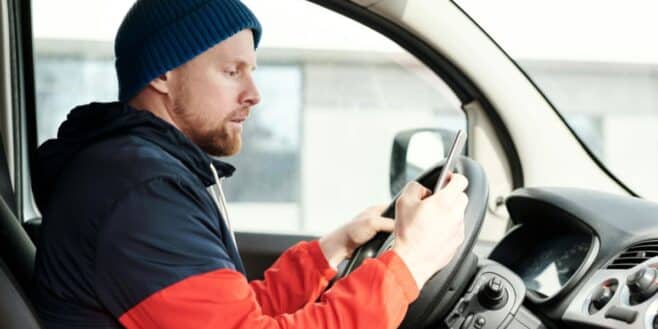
{"x":317,"y":149}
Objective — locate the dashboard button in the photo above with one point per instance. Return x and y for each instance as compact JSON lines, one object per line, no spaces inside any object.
{"x":600,"y":298}
{"x":642,"y":284}
{"x":452,"y":318}
{"x":467,"y":322}
{"x":621,"y":313}
{"x":480,"y":322}
{"x":493,"y":295}
{"x":602,"y":295}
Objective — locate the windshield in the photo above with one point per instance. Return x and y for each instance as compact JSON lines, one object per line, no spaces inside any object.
{"x":597,"y":62}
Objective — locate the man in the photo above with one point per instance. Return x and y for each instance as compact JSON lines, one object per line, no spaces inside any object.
{"x":135,"y":226}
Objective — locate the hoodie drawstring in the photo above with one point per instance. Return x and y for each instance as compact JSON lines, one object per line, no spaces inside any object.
{"x":218,"y":195}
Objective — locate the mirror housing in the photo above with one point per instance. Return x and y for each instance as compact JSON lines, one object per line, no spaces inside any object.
{"x":410,"y":155}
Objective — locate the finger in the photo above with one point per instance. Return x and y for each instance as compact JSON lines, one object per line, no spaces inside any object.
{"x":416,"y":191}
{"x":377,"y":209}
{"x":457,"y":238}
{"x":456,"y":183}
{"x":451,"y":193}
{"x":382,"y":224}
{"x":461,"y":201}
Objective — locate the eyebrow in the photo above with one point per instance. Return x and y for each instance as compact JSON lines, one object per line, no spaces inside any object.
{"x":241,"y":62}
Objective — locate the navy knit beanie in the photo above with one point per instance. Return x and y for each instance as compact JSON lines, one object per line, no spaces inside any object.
{"x":159,"y":35}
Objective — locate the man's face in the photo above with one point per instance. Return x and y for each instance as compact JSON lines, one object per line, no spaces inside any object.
{"x":213,"y":93}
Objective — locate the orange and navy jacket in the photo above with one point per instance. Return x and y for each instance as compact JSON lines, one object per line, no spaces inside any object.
{"x":131,"y":237}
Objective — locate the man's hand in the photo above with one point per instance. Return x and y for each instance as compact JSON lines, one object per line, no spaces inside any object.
{"x":341,"y":243}
{"x":429,"y":228}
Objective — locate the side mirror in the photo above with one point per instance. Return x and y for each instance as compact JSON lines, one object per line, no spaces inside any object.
{"x":416,"y":150}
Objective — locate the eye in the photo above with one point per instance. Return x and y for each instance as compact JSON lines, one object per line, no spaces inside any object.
{"x":232,"y":73}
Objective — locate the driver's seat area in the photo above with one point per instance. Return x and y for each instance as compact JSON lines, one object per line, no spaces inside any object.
{"x":17,"y":251}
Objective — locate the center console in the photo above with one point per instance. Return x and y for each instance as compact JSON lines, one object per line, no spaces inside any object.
{"x":617,"y":297}
{"x":493,"y":300}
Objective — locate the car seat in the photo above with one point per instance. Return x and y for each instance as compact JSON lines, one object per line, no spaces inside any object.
{"x":17,"y":254}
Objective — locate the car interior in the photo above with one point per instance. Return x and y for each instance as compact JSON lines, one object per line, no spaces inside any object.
{"x":578,"y":246}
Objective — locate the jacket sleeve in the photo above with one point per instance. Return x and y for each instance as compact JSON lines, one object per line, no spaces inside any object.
{"x":298,"y":277}
{"x":375,"y":295}
{"x":161,"y":263}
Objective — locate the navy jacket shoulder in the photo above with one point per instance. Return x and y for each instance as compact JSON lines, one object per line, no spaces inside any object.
{"x":125,"y":214}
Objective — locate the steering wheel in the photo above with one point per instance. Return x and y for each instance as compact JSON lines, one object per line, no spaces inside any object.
{"x":443,"y":288}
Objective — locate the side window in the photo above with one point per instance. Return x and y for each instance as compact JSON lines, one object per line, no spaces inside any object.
{"x":317,"y":150}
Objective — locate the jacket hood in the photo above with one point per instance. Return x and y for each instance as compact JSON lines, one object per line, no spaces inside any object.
{"x":89,"y":124}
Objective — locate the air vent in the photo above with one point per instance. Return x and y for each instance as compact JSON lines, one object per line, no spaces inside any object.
{"x":636,"y":254}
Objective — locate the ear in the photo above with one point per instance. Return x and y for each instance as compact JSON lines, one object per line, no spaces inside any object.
{"x":162,"y":84}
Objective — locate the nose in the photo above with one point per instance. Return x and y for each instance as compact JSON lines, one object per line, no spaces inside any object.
{"x":251,"y":95}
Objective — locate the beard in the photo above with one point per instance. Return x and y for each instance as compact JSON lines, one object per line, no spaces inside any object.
{"x":215,"y":136}
{"x":216,"y":139}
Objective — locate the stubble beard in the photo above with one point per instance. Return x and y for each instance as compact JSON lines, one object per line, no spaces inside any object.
{"x":219,"y":142}
{"x":216,"y":140}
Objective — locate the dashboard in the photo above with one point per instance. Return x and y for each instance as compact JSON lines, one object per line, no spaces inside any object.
{"x":583,"y":259}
